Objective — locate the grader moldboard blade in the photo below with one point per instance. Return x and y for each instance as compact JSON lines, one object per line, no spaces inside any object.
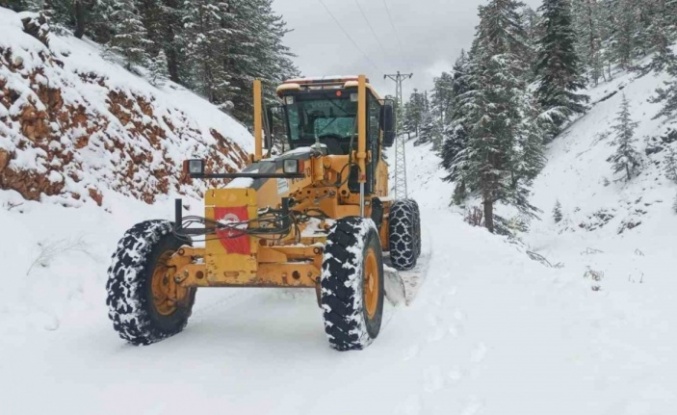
{"x":396,"y":291}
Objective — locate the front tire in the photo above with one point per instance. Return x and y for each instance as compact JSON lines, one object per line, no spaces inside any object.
{"x":352,"y":284}
{"x":142,"y":299}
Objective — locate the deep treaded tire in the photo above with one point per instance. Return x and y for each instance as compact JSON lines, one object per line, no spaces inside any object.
{"x":130,"y":297}
{"x":417,"y":225}
{"x":351,"y":282}
{"x":404,"y":235}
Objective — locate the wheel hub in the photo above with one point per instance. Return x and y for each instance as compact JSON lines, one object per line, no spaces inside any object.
{"x":371,"y":284}
{"x":163,"y":286}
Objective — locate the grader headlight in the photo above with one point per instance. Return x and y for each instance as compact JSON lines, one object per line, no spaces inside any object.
{"x":194,"y":168}
{"x":291,"y":166}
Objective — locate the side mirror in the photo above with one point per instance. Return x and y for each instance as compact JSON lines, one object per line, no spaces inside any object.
{"x":388,"y":123}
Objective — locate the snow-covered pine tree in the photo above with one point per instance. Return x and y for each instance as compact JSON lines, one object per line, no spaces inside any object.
{"x":415,"y":110}
{"x":255,"y":50}
{"x":130,"y":36}
{"x":158,"y":69}
{"x":99,"y":26}
{"x":205,"y":38}
{"x":558,"y":69}
{"x":429,"y":131}
{"x":662,"y":31}
{"x":163,"y":19}
{"x":495,"y":111}
{"x":627,"y":30}
{"x":58,"y":13}
{"x":671,"y":165}
{"x":23,"y":5}
{"x":441,"y":102}
{"x":557,"y":212}
{"x":626,"y":159}
{"x":453,"y":153}
{"x":588,"y":28}
{"x":667,"y":95}
{"x":533,"y":30}
{"x":530,"y":152}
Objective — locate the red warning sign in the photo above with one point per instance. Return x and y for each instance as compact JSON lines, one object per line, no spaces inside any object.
{"x":229,"y":238}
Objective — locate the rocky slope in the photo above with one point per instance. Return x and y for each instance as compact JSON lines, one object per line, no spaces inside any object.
{"x":74,"y":126}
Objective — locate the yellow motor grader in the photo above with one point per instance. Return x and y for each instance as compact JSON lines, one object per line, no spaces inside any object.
{"x":316,"y":216}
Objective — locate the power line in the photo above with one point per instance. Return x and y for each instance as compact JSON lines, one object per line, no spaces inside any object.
{"x":397,"y":35}
{"x":345,"y":32}
{"x":373,"y":32}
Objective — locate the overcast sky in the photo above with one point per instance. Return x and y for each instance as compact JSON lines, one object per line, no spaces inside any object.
{"x":431,"y":35}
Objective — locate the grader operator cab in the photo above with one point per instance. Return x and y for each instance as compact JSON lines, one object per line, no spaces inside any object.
{"x":317,"y":216}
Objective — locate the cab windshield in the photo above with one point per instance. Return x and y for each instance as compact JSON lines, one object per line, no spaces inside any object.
{"x":322,"y":118}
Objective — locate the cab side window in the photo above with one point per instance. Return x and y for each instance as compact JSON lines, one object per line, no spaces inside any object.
{"x":373,"y":128}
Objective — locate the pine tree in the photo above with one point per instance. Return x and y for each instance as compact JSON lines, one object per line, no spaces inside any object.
{"x":429,"y":129}
{"x":625,"y":38}
{"x":662,"y":31}
{"x":453,"y":153}
{"x":163,"y":19}
{"x":22,"y":5}
{"x":158,"y":69}
{"x":668,"y":93}
{"x":441,"y":103}
{"x":559,"y":74}
{"x":59,"y":14}
{"x":495,"y":108}
{"x":557,"y":212}
{"x":99,"y":25}
{"x":586,"y":15}
{"x":205,"y":40}
{"x":530,"y":153}
{"x":626,"y":159}
{"x":255,"y":50}
{"x":415,"y":110}
{"x":533,"y":31}
{"x":129,"y":39}
{"x":671,"y":165}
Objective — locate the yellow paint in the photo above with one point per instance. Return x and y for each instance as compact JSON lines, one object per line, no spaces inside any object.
{"x":361,"y":155}
{"x":258,"y":121}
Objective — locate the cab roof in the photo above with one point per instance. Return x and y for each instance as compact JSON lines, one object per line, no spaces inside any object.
{"x":322,"y":83}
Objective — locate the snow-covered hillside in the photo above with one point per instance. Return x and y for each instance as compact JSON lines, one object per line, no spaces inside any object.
{"x":74,"y":126}
{"x":631,"y":222}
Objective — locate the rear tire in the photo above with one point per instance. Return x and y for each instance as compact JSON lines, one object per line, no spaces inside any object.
{"x":405,"y":234}
{"x":136,"y":314}
{"x":417,"y":226}
{"x":352,"y":284}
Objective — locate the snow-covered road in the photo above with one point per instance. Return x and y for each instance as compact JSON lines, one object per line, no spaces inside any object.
{"x":490,"y":332}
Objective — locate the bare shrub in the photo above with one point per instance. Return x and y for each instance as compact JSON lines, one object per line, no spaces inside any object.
{"x":50,"y":250}
{"x":474,"y":216}
{"x":596,"y":277}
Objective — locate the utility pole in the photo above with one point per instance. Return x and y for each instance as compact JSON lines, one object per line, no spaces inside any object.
{"x":400,"y":185}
